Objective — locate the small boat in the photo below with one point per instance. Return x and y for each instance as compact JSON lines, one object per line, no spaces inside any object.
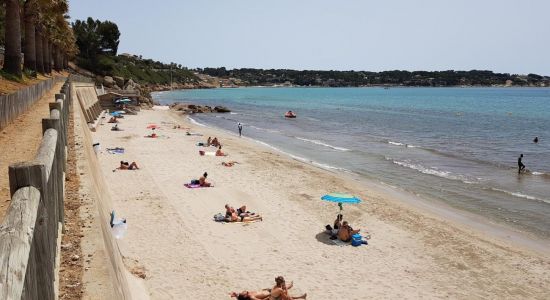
{"x":290,"y":114}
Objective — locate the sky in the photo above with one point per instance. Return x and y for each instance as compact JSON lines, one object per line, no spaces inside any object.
{"x":509,"y":36}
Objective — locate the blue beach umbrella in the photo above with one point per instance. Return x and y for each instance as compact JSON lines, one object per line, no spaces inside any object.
{"x":341,"y":198}
{"x":115,"y":114}
{"x":125,"y":100}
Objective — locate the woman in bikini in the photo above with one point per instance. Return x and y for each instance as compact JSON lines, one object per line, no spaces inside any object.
{"x":280,"y":290}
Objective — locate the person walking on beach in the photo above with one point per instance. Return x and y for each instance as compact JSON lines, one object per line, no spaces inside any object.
{"x":521,"y":166}
{"x":240,"y":126}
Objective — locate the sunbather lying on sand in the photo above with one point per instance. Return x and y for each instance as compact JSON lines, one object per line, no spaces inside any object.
{"x":219,"y":152}
{"x":280,"y":290}
{"x":124,"y":165}
{"x":152,"y":135}
{"x":240,"y":215}
{"x":250,"y":295}
{"x":229,"y":163}
{"x":113,"y":120}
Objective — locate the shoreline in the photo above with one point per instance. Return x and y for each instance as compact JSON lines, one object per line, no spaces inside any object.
{"x":184,"y":253}
{"x":460,"y":218}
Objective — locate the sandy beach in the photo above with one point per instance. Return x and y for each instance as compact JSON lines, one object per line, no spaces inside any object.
{"x":172,"y":238}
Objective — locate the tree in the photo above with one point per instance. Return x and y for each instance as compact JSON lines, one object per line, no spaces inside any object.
{"x":12,"y":56}
{"x":94,"y":37}
{"x":30,"y":15}
{"x":109,"y":37}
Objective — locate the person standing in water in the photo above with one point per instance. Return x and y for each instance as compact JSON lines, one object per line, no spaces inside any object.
{"x":240,"y":126}
{"x":536,"y":140}
{"x":521,"y":166}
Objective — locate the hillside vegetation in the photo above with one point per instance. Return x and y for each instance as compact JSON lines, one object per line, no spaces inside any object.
{"x":365,"y":78}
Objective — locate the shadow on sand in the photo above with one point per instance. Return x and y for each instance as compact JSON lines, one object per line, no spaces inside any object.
{"x":324,"y":238}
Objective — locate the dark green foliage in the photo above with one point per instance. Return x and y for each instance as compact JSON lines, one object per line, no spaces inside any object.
{"x":364,"y":78}
{"x":94,"y":37}
{"x":98,"y":44}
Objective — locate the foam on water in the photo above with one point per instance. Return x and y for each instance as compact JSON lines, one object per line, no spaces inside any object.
{"x":317,"y":142}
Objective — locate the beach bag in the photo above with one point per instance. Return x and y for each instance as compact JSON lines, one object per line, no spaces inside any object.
{"x":219,"y":217}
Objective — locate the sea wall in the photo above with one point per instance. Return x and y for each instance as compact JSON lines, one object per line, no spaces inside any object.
{"x":121,"y":279}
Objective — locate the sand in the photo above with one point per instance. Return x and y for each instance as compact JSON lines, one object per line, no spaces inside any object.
{"x":173,"y":242}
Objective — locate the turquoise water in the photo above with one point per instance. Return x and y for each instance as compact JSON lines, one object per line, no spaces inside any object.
{"x":456,"y":145}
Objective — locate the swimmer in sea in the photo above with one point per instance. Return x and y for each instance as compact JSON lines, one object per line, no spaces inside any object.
{"x":521,"y":166}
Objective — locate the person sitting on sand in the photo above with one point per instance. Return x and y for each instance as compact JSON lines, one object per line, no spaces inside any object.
{"x":250,"y":295}
{"x":113,"y":120}
{"x":333,"y":231}
{"x":115,"y":128}
{"x":219,"y":152}
{"x":209,"y":142}
{"x":280,"y":290}
{"x":345,"y":232}
{"x":203,"y":182}
{"x":124,"y":165}
{"x":215,"y":142}
{"x":229,"y":163}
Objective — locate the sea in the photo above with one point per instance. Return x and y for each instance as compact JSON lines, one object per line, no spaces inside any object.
{"x":458,"y":146}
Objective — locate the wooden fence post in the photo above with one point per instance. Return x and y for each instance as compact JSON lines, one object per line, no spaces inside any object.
{"x":55,"y":178}
{"x":16,"y":242}
{"x":34,"y":174}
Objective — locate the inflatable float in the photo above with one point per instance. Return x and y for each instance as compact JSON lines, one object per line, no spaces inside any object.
{"x":290,"y":114}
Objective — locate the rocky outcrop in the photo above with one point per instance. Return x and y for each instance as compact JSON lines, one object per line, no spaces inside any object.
{"x":197,"y":109}
{"x":108,"y":81}
{"x":119,"y":80}
{"x":221,"y":109}
{"x":131,"y":85}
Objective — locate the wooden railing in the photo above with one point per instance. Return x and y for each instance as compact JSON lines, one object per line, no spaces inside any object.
{"x":12,"y":105}
{"x":30,"y":229}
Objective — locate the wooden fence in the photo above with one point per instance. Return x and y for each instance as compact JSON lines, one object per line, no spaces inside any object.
{"x":30,"y":229}
{"x":12,"y":105}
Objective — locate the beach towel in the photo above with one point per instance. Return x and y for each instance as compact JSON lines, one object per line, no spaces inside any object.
{"x":195,"y":134}
{"x":116,"y":150}
{"x":243,"y":222}
{"x":194,"y":186}
{"x":209,"y":153}
{"x":339,"y":242}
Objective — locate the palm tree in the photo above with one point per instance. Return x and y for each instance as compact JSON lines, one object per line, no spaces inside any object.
{"x":30,"y":9}
{"x":39,"y":50}
{"x":12,"y":56}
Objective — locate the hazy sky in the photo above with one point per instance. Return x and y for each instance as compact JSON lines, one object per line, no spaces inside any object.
{"x":501,"y":35}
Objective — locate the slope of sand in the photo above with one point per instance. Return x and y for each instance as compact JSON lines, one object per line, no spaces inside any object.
{"x":184,"y":254}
